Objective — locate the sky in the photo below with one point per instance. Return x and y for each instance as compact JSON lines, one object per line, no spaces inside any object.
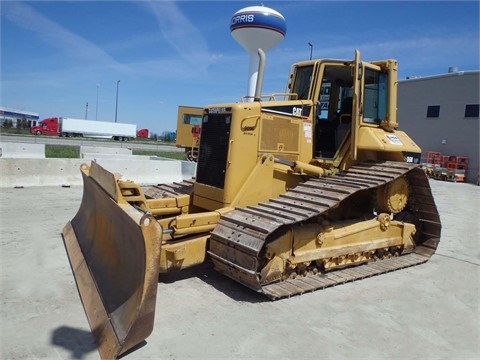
{"x":59,"y":56}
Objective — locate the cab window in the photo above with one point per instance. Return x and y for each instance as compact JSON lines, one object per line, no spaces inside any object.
{"x":192,"y":119}
{"x":303,"y":78}
{"x":375,"y":96}
{"x":335,"y":93}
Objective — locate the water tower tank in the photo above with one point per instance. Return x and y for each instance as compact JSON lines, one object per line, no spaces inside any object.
{"x":257,"y":27}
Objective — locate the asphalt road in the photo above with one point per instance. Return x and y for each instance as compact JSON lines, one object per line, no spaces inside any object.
{"x":53,"y":140}
{"x":430,"y":311}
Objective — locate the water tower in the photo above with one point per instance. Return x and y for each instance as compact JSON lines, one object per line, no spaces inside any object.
{"x":257,"y":27}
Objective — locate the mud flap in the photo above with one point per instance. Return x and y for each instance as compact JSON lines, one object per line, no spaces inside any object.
{"x":114,"y":253}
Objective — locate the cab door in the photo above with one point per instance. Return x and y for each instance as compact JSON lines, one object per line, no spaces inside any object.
{"x":373,"y":98}
{"x":357,"y":103}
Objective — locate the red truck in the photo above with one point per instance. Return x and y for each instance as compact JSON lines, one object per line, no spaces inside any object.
{"x":143,"y":133}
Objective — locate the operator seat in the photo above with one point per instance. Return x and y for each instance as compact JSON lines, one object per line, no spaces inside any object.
{"x":344,"y":116}
{"x":343,"y":121}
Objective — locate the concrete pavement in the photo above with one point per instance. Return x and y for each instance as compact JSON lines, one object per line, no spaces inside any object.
{"x":429,"y":311}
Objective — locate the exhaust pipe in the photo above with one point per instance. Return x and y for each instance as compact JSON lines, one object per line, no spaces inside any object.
{"x":261,"y":70}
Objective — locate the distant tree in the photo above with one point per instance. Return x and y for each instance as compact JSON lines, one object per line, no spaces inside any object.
{"x":24,"y":123}
{"x":164,"y":136}
{"x":7,"y":124}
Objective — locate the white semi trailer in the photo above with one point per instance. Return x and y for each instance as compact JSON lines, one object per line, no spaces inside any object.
{"x":61,"y":126}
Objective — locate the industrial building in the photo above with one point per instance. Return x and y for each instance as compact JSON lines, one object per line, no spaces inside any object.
{"x":11,"y":116}
{"x":441,"y":114}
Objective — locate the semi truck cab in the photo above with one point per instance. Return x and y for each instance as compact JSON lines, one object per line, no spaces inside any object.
{"x":47,"y":126}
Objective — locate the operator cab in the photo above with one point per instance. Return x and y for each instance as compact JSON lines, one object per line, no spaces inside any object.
{"x":330,"y":85}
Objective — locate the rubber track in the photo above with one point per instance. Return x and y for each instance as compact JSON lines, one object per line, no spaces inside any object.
{"x":239,"y":237}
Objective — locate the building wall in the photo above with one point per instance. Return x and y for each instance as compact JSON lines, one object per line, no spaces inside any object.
{"x":9,"y":114}
{"x":451,"y":133}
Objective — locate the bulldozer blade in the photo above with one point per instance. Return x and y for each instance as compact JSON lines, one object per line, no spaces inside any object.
{"x":114,"y":253}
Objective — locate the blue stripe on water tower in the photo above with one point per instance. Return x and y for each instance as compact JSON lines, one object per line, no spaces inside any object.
{"x":253,"y":19}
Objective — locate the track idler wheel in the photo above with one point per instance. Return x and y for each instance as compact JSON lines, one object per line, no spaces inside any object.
{"x":393,"y":196}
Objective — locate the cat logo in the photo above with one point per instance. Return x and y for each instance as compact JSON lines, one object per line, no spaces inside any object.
{"x":297,"y":111}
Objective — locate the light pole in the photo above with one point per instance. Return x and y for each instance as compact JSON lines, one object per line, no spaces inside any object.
{"x":311,"y":49}
{"x":86,"y":111}
{"x":116,"y":102}
{"x":96,"y":107}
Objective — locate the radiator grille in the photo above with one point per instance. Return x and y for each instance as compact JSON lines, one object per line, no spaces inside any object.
{"x":212,"y":158}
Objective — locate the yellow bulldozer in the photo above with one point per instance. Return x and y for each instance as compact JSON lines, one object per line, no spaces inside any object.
{"x":294,"y":192}
{"x":189,"y":122}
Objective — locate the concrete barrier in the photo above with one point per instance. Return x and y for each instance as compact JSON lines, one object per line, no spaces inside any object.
{"x":25,"y":165}
{"x":22,"y":151}
{"x":59,"y":172}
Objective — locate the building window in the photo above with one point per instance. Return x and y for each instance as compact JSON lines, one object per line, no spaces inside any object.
{"x":471,"y":111}
{"x":433,"y":111}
